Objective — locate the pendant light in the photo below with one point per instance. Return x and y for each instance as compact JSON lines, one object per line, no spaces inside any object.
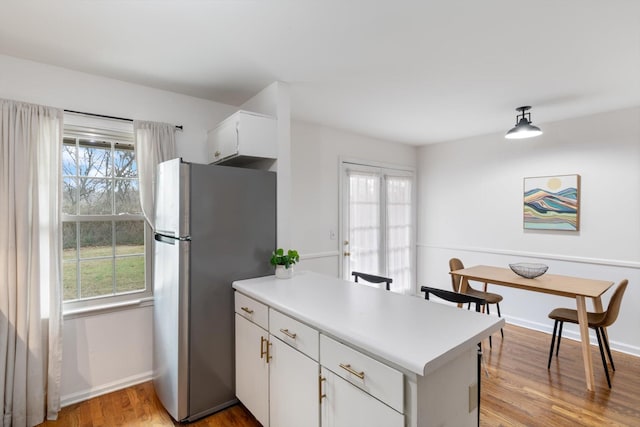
{"x":523,"y":128}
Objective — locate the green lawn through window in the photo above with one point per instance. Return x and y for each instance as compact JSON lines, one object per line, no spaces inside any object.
{"x":97,"y":274}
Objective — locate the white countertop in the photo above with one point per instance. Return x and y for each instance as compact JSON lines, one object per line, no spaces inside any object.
{"x":415,"y":334}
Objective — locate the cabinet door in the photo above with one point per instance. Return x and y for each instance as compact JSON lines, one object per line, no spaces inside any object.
{"x":345,"y":405}
{"x":293,"y":386}
{"x":252,"y":370}
{"x":223,"y":140}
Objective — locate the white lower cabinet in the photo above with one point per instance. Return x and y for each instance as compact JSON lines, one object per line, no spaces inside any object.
{"x":294,"y":376}
{"x":345,"y":405}
{"x":293,"y":387}
{"x":252,"y":370}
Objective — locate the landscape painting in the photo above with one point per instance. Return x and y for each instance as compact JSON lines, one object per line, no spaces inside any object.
{"x":552,"y":203}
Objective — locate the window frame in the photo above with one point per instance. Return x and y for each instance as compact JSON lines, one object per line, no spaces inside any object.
{"x":76,"y":126}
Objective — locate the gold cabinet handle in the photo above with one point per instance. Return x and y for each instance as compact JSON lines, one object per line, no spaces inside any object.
{"x":289,"y":334}
{"x":320,"y":393}
{"x":264,"y":352}
{"x":246,"y":310}
{"x":216,"y":154}
{"x":268,"y":352}
{"x":349,"y":369}
{"x":347,"y":254}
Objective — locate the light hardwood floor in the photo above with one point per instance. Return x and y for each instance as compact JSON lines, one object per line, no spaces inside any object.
{"x":520,"y":391}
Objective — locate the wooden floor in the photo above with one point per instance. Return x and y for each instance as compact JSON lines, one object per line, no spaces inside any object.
{"x":520,"y":391}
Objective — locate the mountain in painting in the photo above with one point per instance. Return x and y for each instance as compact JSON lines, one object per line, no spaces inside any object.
{"x":544,"y":202}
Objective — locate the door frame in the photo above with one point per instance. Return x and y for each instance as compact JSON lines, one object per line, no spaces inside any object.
{"x":344,"y":163}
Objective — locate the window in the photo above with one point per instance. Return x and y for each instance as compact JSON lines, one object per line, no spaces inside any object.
{"x":103,"y":225}
{"x":377,"y":223}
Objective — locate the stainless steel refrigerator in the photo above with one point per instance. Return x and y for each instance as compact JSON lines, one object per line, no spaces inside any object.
{"x":213,"y":225}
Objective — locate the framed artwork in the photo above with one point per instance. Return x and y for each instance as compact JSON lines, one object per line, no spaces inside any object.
{"x":552,"y":203}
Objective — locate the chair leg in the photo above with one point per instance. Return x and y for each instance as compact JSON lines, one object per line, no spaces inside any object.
{"x":559,"y":336}
{"x":604,"y":360}
{"x":606,"y":346}
{"x":553,"y":341}
{"x":499,"y":315}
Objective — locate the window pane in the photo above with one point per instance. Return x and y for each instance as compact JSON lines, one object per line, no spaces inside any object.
{"x":69,"y":280}
{"x":69,"y":242}
{"x":124,"y":163}
{"x":69,"y":157}
{"x":70,"y":196}
{"x":96,"y":277}
{"x":94,"y":158}
{"x":129,"y":237}
{"x":130,"y":274}
{"x":95,"y":196}
{"x":127,"y":196}
{"x":96,"y":239}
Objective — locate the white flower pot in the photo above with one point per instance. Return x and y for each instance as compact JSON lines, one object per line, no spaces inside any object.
{"x":284,"y":273}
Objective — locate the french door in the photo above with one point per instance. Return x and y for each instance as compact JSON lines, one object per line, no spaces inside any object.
{"x":377,"y":223}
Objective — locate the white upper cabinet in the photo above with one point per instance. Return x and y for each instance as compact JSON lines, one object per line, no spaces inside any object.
{"x":244,"y":135}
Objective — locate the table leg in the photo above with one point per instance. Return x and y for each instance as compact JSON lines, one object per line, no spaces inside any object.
{"x":597,"y":305}
{"x":586,"y":345}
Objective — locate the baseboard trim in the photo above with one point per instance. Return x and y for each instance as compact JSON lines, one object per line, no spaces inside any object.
{"x":81,"y":396}
{"x":572,"y":335}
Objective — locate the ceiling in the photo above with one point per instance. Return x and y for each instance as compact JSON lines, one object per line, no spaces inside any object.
{"x":410,"y":71}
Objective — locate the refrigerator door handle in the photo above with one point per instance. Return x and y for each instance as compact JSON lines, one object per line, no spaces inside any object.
{"x":171,"y":239}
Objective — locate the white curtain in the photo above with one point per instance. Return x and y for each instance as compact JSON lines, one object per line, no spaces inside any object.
{"x":154,"y":143}
{"x":399,"y":231}
{"x":30,"y":248}
{"x":364,"y":223}
{"x":380,"y":225}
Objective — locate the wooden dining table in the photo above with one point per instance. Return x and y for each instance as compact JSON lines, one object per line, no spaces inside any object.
{"x":572,"y":287}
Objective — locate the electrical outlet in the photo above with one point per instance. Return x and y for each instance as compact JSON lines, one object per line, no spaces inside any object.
{"x":332,"y":235}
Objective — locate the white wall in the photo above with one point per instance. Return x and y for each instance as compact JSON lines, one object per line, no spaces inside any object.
{"x":111,"y":350}
{"x":315,"y":168}
{"x":28,"y":81}
{"x":470,"y":206}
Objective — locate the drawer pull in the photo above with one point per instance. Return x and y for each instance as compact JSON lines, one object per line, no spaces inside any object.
{"x":320,"y":393}
{"x":262,"y":351}
{"x":247,"y":310}
{"x":349,"y":369}
{"x":289,"y":334}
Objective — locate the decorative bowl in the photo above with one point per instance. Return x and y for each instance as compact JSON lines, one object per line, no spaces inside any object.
{"x":529,"y":270}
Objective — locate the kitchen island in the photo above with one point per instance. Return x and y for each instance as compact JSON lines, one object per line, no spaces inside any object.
{"x":414,"y":359}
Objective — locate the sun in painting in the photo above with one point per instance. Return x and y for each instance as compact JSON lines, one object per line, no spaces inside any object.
{"x":554,"y":183}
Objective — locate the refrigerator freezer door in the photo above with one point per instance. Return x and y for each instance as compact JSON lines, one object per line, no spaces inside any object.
{"x":172,"y":198}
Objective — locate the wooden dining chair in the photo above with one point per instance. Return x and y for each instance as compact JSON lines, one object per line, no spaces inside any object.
{"x":458,"y":298}
{"x":597,"y":322}
{"x":489,"y":297}
{"x":372,"y":279}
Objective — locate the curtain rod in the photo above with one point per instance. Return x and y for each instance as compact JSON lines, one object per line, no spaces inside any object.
{"x":107,"y":117}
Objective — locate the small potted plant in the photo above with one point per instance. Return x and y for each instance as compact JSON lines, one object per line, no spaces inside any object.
{"x":284,"y":262}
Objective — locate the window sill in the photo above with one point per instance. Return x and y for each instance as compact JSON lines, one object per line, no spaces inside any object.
{"x":107,"y":308}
